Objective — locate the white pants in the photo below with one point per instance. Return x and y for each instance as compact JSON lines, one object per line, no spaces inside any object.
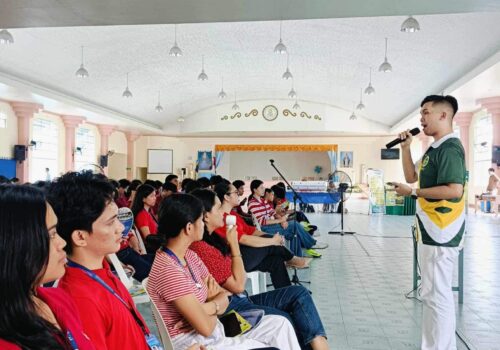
{"x":272,"y":330}
{"x":438,"y":318}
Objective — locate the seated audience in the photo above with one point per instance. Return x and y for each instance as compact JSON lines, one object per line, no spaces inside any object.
{"x":265,"y":215}
{"x":184,"y":183}
{"x":192,"y":185}
{"x":261,"y":252}
{"x":204,"y":182}
{"x":131,"y":189}
{"x":32,"y":254}
{"x":88,"y":223}
{"x":172,"y":178}
{"x":187,"y":296}
{"x":223,"y":261}
{"x":214,"y":180}
{"x":122,"y":200}
{"x":144,"y":219}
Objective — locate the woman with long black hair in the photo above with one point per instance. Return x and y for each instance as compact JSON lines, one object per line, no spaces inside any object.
{"x":223,"y":260}
{"x":145,"y":199}
{"x":32,"y":254}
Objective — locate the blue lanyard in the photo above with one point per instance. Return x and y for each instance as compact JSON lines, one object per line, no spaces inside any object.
{"x":172,"y":254}
{"x":99,"y":280}
{"x":71,"y":340}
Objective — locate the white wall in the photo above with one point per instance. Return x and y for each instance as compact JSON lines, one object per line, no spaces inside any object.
{"x":8,"y":135}
{"x":366,"y":151}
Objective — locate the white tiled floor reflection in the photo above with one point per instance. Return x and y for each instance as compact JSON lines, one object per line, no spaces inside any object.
{"x":360,"y":282}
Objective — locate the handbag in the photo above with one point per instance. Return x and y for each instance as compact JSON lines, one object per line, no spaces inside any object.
{"x":238,"y":323}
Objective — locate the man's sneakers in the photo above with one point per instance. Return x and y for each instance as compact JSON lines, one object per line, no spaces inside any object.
{"x":312,"y":253}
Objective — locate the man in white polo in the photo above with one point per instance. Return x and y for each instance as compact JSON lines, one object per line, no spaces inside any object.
{"x":440,"y":216}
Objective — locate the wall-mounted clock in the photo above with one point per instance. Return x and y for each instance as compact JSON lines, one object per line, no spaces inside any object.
{"x":270,"y":113}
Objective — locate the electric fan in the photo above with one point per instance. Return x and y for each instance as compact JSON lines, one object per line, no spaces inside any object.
{"x":343,"y":186}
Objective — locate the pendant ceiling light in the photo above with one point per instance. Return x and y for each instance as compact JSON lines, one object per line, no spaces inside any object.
{"x":280,"y":47}
{"x":175,"y":50}
{"x":386,"y":66}
{"x":222,"y":94}
{"x":158,"y":107}
{"x":369,"y":89}
{"x":126,"y":92}
{"x":292,"y":93}
{"x":181,"y":119}
{"x":353,"y":115}
{"x":5,"y":37}
{"x":287,"y":75}
{"x":410,"y":25}
{"x":235,"y":105}
{"x":202,"y":76}
{"x":360,"y":105}
{"x":296,"y":104}
{"x":82,"y":72}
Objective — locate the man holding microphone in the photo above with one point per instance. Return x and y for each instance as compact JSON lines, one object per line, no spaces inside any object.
{"x":440,"y":216}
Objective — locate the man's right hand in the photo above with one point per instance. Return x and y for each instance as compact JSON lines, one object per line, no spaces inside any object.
{"x":407,"y":137}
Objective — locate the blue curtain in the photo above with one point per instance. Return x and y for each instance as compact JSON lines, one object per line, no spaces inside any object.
{"x":333,"y":160}
{"x":218,"y":158}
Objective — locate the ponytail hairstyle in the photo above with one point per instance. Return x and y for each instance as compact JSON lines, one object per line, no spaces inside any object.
{"x":24,"y":255}
{"x":176,"y":211}
{"x":207,"y":198}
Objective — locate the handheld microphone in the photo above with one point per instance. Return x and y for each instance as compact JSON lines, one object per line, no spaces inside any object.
{"x":414,"y":131}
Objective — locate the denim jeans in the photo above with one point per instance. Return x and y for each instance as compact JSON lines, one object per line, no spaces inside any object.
{"x":141,"y":263}
{"x":294,"y":303}
{"x":303,"y":239}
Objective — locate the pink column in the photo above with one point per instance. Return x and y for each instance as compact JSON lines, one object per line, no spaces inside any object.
{"x":463,"y":120}
{"x":71,"y":122}
{"x":24,"y":112}
{"x":105,"y":131}
{"x":131,"y":138}
{"x":425,"y":141}
{"x":492,"y":104}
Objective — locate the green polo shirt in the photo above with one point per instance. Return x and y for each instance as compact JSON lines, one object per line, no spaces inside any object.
{"x":442,"y":222}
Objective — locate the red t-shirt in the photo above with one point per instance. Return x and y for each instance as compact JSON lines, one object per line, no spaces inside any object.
{"x":108,"y":323}
{"x":122,"y":202}
{"x":217,"y":264}
{"x":146,"y":219}
{"x":241,"y":227}
{"x":169,"y":281}
{"x":66,"y":315}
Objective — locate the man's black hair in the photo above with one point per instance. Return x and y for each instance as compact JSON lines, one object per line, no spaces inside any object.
{"x":168,"y":186}
{"x":204,"y":182}
{"x":123,"y":183}
{"x":78,"y":199}
{"x":214,"y":180}
{"x":440,"y":99}
{"x":238,"y":183}
{"x":170,"y":177}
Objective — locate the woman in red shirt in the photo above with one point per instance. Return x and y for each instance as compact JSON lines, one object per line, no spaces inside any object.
{"x":32,"y":254}
{"x":223,"y":260}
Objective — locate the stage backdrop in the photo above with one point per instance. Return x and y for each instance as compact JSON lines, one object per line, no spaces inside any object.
{"x":294,"y":161}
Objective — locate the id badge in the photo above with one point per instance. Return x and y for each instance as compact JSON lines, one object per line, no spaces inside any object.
{"x":153,"y":342}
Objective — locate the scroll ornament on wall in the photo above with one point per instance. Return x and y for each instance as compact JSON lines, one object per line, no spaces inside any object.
{"x":271,"y":113}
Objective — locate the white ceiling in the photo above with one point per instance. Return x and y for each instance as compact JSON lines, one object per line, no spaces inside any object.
{"x":330,"y":58}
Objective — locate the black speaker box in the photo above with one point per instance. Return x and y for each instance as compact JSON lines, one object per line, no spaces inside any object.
{"x":20,"y":152}
{"x":103,"y":161}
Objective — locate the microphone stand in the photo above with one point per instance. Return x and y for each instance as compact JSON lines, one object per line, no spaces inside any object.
{"x":295,"y":278}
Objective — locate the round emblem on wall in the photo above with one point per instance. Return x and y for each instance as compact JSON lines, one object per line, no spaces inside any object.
{"x":270,"y":113}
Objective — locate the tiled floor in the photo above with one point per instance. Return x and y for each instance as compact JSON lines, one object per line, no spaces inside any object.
{"x":360,"y":282}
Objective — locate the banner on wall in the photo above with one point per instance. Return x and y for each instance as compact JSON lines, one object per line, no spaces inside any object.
{"x":204,"y":161}
{"x":377,"y":191}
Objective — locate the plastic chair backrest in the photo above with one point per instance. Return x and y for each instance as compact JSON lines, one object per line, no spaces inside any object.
{"x":127,"y":282}
{"x":162,"y":328}
{"x":256,"y":223}
{"x":137,"y":234}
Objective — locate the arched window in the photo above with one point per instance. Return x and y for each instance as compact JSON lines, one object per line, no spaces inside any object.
{"x":85,"y":156}
{"x":44,"y":153}
{"x":483,"y":137}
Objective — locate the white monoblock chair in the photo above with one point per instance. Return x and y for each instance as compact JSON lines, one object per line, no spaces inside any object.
{"x":127,"y":282}
{"x":137,"y":234}
{"x":162,"y":328}
{"x":257,"y":278}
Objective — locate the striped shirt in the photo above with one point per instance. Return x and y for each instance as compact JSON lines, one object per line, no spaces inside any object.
{"x":261,"y":209}
{"x":169,"y":281}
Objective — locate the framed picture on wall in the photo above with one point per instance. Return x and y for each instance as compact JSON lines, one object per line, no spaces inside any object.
{"x":346,"y":159}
